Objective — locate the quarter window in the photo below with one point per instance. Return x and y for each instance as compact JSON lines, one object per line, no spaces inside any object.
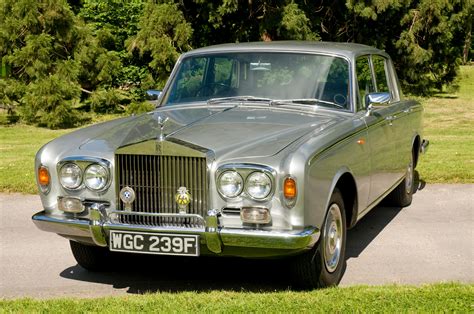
{"x":380,"y":74}
{"x":364,"y":80}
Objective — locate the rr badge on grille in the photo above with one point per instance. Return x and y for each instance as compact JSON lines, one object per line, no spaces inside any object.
{"x":183,"y":198}
{"x":127,"y":195}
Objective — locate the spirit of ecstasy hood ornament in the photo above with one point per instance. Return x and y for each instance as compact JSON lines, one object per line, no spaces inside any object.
{"x":161,"y":123}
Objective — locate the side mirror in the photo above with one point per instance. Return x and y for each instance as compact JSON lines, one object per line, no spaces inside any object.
{"x":376,"y":99}
{"x":153,"y":94}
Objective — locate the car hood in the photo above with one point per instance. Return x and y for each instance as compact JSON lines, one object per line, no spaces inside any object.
{"x":230,"y":132}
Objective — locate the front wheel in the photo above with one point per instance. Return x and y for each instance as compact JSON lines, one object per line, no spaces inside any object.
{"x":324,"y":265}
{"x":92,"y":258}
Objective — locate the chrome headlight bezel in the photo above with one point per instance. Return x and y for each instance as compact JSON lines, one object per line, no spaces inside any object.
{"x":262,"y":177}
{"x":101,"y":173}
{"x":63,"y":171}
{"x":239,"y":185}
{"x":245,"y":170}
{"x":84,"y":163}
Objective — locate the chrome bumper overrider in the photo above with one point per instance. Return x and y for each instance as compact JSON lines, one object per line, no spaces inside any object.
{"x":424,"y":146}
{"x":213,"y":237}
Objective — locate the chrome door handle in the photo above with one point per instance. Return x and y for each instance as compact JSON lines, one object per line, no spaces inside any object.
{"x":408,"y":110}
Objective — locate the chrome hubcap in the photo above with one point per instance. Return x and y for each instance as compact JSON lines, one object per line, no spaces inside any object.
{"x":333,"y":234}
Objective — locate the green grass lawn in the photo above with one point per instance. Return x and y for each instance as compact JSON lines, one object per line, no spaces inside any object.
{"x":18,"y":146}
{"x":449,"y":125}
{"x":395,"y":299}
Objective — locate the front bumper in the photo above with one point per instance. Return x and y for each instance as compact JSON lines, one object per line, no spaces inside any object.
{"x":214,"y":240}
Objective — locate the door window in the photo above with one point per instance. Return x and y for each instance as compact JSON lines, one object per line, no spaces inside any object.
{"x":364,"y":80}
{"x":380,"y":70}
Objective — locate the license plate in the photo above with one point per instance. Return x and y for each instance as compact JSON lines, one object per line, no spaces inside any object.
{"x":152,"y":243}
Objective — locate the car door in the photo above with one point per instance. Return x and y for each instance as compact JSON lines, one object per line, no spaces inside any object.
{"x":380,"y":131}
{"x":400,"y":115}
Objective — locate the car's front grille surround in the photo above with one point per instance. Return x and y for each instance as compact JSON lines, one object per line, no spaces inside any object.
{"x":155,"y":180}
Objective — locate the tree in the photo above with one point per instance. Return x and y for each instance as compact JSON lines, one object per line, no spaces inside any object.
{"x":424,"y":37}
{"x":61,"y":55}
{"x":216,"y":22}
{"x":113,"y":22}
{"x":37,"y":39}
{"x":163,"y":35}
{"x":468,"y":43}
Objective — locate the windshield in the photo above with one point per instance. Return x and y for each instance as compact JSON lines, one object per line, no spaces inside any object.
{"x":282,"y":76}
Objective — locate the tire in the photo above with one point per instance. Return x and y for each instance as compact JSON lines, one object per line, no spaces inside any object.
{"x":403,"y":193}
{"x":324,"y":265}
{"x":92,"y":258}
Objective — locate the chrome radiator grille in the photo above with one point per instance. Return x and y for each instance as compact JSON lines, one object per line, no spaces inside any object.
{"x":155,"y":180}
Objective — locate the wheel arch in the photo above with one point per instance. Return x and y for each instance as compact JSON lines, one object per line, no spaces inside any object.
{"x":346,"y":184}
{"x":348,"y":188}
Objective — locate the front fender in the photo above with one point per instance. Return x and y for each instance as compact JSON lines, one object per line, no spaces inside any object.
{"x":324,"y":172}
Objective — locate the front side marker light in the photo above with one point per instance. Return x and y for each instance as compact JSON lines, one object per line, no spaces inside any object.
{"x":289,"y":188}
{"x":290,"y":192}
{"x":44,"y":179}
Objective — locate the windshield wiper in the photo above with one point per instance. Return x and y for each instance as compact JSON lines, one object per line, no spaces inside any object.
{"x":221,"y":100}
{"x":306,"y":101}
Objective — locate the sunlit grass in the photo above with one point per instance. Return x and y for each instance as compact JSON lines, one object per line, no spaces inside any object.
{"x":393,"y":299}
{"x":18,"y":146}
{"x":449,"y":126}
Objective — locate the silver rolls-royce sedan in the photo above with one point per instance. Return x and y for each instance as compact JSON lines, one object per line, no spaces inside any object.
{"x":257,"y":150}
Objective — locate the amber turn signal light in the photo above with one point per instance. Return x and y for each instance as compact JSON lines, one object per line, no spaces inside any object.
{"x":43,"y":179}
{"x":289,"y":188}
{"x":43,"y":175}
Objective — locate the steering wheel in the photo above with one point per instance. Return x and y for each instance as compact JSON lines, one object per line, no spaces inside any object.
{"x":340,"y":100}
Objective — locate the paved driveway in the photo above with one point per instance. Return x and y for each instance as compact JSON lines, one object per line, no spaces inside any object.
{"x":429,"y":241}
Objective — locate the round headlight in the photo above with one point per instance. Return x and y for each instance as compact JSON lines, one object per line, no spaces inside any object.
{"x":258,"y":185}
{"x":96,"y":177}
{"x":230,"y":183}
{"x":70,"y":176}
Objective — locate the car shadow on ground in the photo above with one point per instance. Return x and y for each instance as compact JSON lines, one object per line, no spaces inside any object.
{"x":145,"y":273}
{"x":141,"y":274}
{"x":370,"y":226}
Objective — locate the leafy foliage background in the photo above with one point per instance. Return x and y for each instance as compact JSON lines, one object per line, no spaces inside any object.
{"x":62,"y":60}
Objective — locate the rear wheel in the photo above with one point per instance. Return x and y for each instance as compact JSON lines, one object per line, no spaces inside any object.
{"x":324,"y":265}
{"x":403,"y":193}
{"x":92,"y":258}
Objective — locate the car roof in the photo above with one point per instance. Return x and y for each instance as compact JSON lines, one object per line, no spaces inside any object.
{"x":349,"y":50}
